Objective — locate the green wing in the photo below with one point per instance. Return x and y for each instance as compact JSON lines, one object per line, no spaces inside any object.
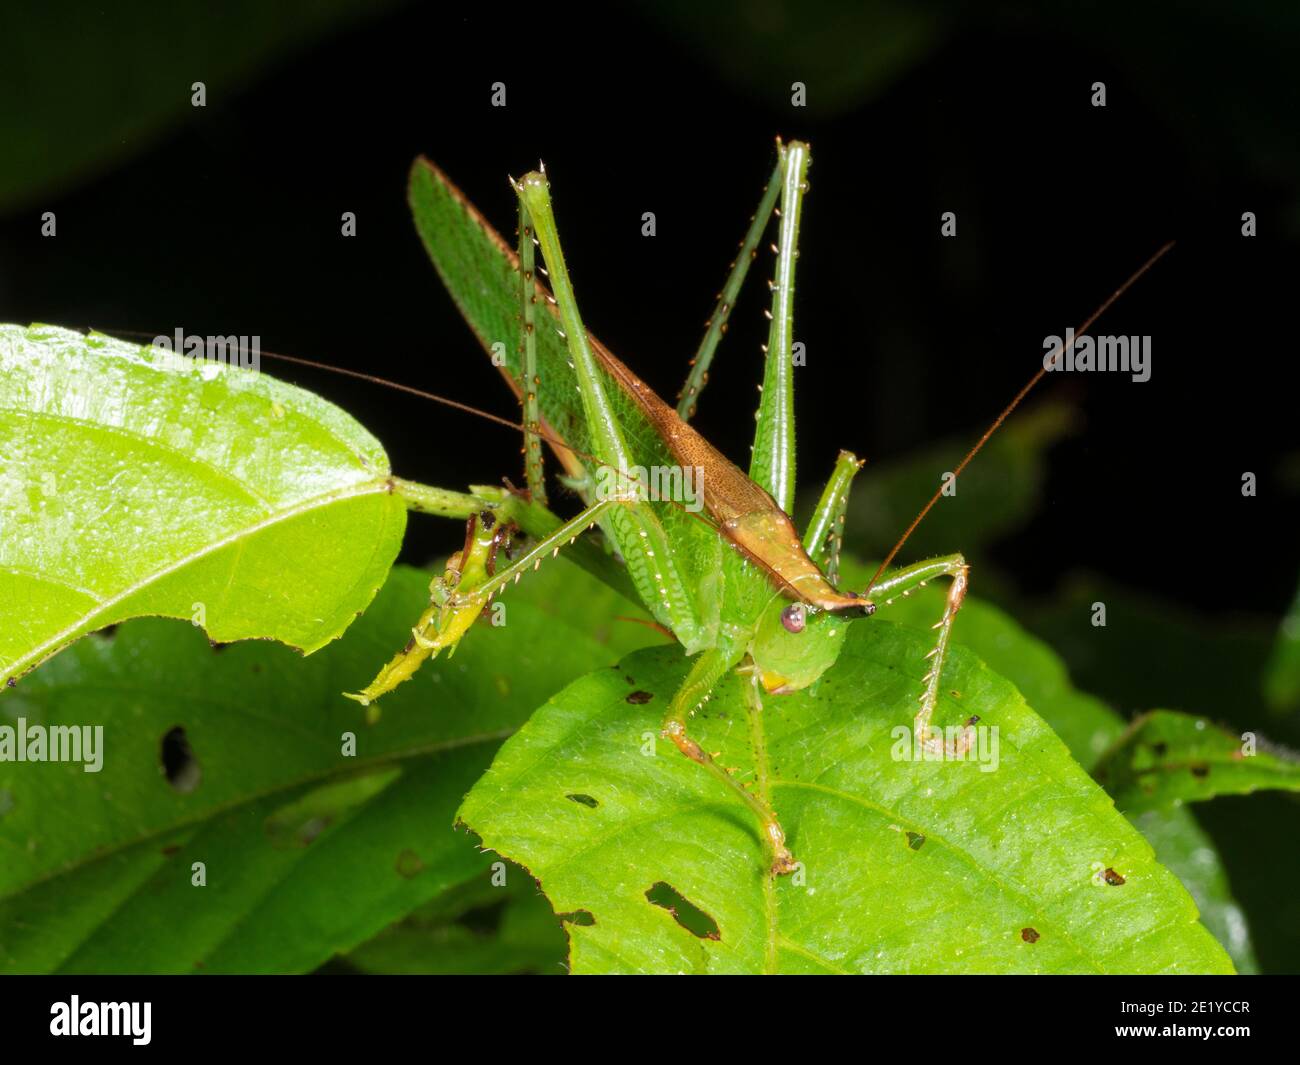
{"x":480,"y":272}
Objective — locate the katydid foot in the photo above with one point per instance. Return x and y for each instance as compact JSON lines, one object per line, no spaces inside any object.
{"x":903,"y":583}
{"x":708,"y":669}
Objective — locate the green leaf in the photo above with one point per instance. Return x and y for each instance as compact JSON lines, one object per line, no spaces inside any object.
{"x":307,"y":851}
{"x":1085,"y":724}
{"x":1183,"y":847}
{"x":132,"y":485}
{"x":1166,"y":758}
{"x":1282,"y":674}
{"x":1089,"y":728}
{"x":909,"y":866}
{"x":478,"y":929}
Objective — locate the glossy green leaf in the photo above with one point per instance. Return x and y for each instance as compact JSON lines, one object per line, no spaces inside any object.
{"x":1184,"y":848}
{"x":1085,"y":724}
{"x":1089,"y":728}
{"x":306,"y":850}
{"x":908,"y":866}
{"x":132,"y":484}
{"x":1167,"y":758}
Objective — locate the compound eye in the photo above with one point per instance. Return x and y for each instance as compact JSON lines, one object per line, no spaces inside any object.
{"x":794,"y":617}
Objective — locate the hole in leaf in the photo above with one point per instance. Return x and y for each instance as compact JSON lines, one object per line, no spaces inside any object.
{"x":578,"y":917}
{"x":178,"y":761}
{"x":1029,"y":935}
{"x":684,"y":912}
{"x":638,"y":698}
{"x":484,"y":920}
{"x":585,"y":800}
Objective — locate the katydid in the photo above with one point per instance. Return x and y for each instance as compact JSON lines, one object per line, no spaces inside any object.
{"x":735,"y":585}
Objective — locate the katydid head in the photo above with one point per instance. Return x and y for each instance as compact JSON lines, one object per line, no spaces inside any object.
{"x":795,"y":644}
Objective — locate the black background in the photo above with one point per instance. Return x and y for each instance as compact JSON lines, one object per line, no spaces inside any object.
{"x":230,"y":223}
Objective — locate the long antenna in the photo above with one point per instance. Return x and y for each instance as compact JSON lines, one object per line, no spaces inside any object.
{"x":387,"y":383}
{"x":997,"y":422}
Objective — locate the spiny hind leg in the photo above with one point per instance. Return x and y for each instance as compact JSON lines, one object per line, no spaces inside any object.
{"x":902,"y":583}
{"x":529,"y":381}
{"x":708,"y":669}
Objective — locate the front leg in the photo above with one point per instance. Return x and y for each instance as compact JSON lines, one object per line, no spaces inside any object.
{"x":902,"y":583}
{"x":709,"y":667}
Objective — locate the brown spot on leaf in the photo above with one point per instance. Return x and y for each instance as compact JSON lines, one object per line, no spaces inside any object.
{"x":1200,"y":771}
{"x":639,"y":698}
{"x":1112,"y":878}
{"x":1029,"y":935}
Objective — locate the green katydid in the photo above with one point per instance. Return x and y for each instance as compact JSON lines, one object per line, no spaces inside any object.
{"x":736,"y":585}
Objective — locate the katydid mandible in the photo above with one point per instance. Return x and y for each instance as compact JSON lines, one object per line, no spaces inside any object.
{"x":736,"y":584}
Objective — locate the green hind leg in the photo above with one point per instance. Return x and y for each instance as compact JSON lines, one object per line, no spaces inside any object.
{"x":708,"y":668}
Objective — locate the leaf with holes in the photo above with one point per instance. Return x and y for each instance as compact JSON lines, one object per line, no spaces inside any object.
{"x":134,"y":484}
{"x":1089,"y":728}
{"x":1012,"y":862}
{"x":1167,"y":758}
{"x":314,"y":831}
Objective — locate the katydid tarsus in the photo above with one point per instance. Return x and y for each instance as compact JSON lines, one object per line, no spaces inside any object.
{"x":735,"y":584}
